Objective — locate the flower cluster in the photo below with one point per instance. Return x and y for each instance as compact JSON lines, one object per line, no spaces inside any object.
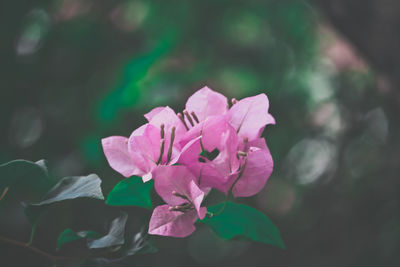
{"x":207,"y":146}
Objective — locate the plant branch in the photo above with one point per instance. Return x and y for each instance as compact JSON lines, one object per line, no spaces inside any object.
{"x":4,"y":193}
{"x":49,"y":256}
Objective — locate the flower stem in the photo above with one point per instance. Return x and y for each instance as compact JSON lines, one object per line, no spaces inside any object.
{"x":49,"y":256}
{"x":4,"y":193}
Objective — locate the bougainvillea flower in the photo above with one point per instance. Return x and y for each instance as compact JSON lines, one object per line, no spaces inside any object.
{"x":155,"y":143}
{"x":247,"y":175}
{"x":178,"y":188}
{"x":250,"y":115}
{"x":207,"y":146}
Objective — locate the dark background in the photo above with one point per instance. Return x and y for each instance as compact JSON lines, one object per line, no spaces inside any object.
{"x":74,"y":71}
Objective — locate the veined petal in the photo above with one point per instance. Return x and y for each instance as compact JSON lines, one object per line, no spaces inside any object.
{"x":172,"y":223}
{"x":206,"y":102}
{"x":211,"y":131}
{"x":116,"y":151}
{"x":168,"y":117}
{"x":145,"y":148}
{"x":250,"y":115}
{"x":258,"y":168}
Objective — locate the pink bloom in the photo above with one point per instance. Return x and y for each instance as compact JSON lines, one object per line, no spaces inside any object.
{"x":178,"y":188}
{"x":155,"y":143}
{"x":247,"y":176}
{"x":221,"y":147}
{"x":217,"y":136}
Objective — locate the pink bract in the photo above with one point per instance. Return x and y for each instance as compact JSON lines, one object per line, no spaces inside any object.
{"x":250,"y":115}
{"x":206,"y":102}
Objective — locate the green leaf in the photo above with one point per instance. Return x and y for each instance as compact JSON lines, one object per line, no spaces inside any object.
{"x":17,"y":171}
{"x":74,"y":187}
{"x":66,"y":189}
{"x":131,"y":192}
{"x":239,"y":220}
{"x":69,"y":236}
{"x":115,"y":234}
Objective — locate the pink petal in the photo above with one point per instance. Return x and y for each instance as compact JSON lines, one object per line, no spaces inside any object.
{"x":226,"y":161}
{"x":116,"y":151}
{"x":214,"y":132}
{"x":250,"y":115}
{"x":190,"y":153}
{"x":206,"y":102}
{"x":257,"y":170}
{"x":211,"y":131}
{"x":217,"y":173}
{"x":139,"y":131}
{"x":145,"y":149}
{"x":179,"y":179}
{"x":168,"y":117}
{"x":150,"y":115}
{"x":172,"y":223}
{"x":212,"y":178}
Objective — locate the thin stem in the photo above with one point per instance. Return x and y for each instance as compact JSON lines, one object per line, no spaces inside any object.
{"x":188,"y":117}
{"x":161,"y":151}
{"x":210,"y":214}
{"x":4,"y":193}
{"x":162,"y":131}
{"x":49,"y":256}
{"x":171,"y":144}
{"x":33,"y":231}
{"x":183,"y":121}
{"x":195,"y":117}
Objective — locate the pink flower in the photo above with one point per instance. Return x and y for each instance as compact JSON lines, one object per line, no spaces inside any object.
{"x":243,"y":168}
{"x":155,"y":143}
{"x":230,"y":133}
{"x":219,"y":138}
{"x":187,"y":154}
{"x":178,"y":188}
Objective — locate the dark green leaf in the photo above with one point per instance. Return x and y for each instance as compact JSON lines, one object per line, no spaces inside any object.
{"x":69,"y":236}
{"x":33,"y":213}
{"x":22,"y":170}
{"x":74,"y":187}
{"x":115,"y":234}
{"x":239,"y":220}
{"x":67,"y":188}
{"x":131,"y":192}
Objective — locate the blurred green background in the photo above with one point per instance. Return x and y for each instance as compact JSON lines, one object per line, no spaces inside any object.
{"x":74,"y":71}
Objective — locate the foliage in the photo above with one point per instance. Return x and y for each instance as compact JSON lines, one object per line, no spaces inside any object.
{"x":248,"y":222}
{"x":238,"y":220}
